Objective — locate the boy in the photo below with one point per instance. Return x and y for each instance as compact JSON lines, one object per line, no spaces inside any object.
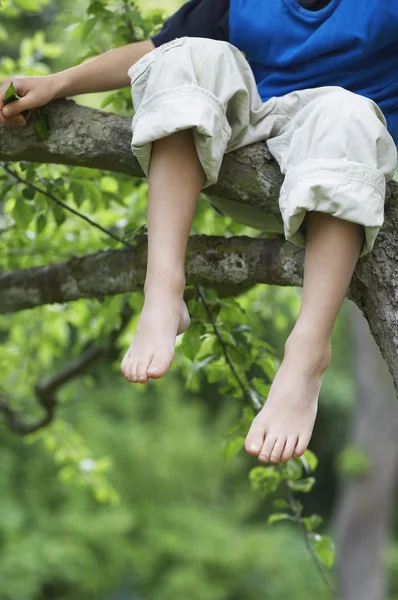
{"x":320,"y":87}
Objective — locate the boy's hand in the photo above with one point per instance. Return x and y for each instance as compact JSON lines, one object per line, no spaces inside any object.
{"x":33,"y":91}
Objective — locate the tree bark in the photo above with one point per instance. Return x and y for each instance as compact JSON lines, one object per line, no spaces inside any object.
{"x":365,"y":504}
{"x":230,"y":265}
{"x":92,"y":138}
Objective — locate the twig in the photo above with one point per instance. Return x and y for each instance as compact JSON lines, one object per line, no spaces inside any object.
{"x":65,"y":206}
{"x":224,"y":349}
{"x":298,"y":519}
{"x":293,"y":505}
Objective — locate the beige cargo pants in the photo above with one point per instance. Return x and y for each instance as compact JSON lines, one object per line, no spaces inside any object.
{"x":332,"y":145}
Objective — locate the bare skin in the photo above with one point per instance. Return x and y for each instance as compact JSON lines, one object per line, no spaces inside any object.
{"x":176,"y":178}
{"x":152,"y":350}
{"x":284,"y":426}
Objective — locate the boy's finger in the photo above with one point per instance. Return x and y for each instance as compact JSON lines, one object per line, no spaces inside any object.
{"x":3,"y":89}
{"x":15,"y":121}
{"x":18,"y":106}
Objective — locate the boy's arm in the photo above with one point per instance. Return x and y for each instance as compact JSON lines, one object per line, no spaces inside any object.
{"x":101,"y":74}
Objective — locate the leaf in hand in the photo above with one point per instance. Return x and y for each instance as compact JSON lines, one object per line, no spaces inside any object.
{"x":10,"y":94}
{"x":41,"y":125}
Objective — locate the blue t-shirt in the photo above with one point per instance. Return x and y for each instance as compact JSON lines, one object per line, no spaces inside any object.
{"x":208,"y":19}
{"x":291,"y":45}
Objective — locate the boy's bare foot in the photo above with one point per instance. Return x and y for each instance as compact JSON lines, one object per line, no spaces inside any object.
{"x":284,"y":426}
{"x":152,"y":350}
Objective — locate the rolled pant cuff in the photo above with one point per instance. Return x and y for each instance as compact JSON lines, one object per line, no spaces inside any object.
{"x":349,"y":191}
{"x":177,"y":109}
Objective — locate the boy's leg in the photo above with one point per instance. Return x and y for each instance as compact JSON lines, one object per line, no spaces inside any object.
{"x":284,"y":426}
{"x":336,"y":154}
{"x":195,"y":100}
{"x":176,"y":178}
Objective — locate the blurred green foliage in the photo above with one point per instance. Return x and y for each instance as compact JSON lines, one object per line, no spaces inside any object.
{"x":185,"y":526}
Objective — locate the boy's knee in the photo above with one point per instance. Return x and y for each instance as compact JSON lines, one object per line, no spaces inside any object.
{"x":343,"y":108}
{"x":344,"y":126}
{"x":212,"y":58}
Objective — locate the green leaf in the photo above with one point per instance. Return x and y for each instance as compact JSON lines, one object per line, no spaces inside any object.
{"x":304,"y":486}
{"x":28,"y":193}
{"x":28,"y":5}
{"x":265,"y":479}
{"x":217,"y":372}
{"x":269,"y":367}
{"x":257,"y":399}
{"x":276,"y":517}
{"x":280,"y":504}
{"x":3,"y":34}
{"x":109,"y":184}
{"x":324,"y":548}
{"x":207,"y":346}
{"x":198,"y":366}
{"x":59,"y":214}
{"x":10,"y":95}
{"x":22,"y":213}
{"x":313,"y":522}
{"x":260,"y":386}
{"x":41,"y":222}
{"x":41,"y":124}
{"x":292,"y":471}
{"x":232,"y":447}
{"x":93,"y":192}
{"x":78,"y":193}
{"x":243,"y":426}
{"x":52,"y":50}
{"x":42,"y":202}
{"x":310,"y":461}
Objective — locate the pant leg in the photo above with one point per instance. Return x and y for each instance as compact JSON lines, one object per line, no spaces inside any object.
{"x":201,"y":84}
{"x":337,"y":155}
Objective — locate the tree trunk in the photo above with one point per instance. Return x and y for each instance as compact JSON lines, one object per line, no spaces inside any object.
{"x":364,"y":507}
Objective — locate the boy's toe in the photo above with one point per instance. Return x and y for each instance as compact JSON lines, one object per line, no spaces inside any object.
{"x":126,"y":368}
{"x":290,"y":446}
{"x":277,"y":450}
{"x":255,"y":438}
{"x":133,"y":369}
{"x":159,"y":365}
{"x":267,"y":448}
{"x":142,"y":368}
{"x":301,"y":447}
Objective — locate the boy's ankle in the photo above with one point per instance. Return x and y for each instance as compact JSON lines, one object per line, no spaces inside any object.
{"x":309,"y":347}
{"x":167,"y":284}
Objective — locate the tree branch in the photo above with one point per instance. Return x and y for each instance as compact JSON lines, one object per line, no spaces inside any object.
{"x":229,"y":265}
{"x":82,"y":136}
{"x":46,"y":390}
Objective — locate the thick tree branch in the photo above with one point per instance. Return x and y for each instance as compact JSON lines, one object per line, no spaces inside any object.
{"x":227,"y":264}
{"x":92,"y":138}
